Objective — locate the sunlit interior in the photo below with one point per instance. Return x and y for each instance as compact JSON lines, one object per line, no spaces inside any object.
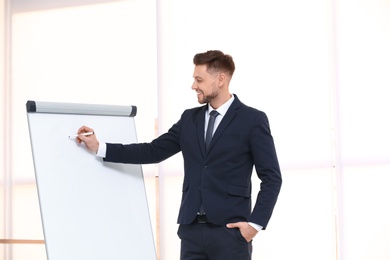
{"x":319,"y":69}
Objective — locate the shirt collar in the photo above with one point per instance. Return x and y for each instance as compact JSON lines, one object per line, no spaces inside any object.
{"x":222,"y":109}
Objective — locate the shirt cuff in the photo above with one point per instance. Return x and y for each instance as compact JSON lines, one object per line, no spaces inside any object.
{"x":102,"y":150}
{"x":255,"y":226}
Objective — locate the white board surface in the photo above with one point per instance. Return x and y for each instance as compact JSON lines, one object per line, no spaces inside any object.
{"x":90,"y":209}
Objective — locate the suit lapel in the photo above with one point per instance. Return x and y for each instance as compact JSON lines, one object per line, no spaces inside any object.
{"x":200,"y":125}
{"x":232,"y":111}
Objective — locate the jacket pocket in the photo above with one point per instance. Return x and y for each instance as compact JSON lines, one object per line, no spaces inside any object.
{"x":241,"y":191}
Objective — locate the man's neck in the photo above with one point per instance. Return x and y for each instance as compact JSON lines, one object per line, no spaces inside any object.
{"x":216,"y":103}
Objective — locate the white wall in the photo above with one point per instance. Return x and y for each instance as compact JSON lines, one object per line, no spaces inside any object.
{"x":363,"y":65}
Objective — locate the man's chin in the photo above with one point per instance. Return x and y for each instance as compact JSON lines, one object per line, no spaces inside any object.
{"x":201,"y":100}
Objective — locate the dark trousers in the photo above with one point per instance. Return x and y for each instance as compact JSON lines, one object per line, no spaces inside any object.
{"x":211,"y":242}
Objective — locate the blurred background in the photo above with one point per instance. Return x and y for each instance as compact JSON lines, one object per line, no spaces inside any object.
{"x":319,"y":69}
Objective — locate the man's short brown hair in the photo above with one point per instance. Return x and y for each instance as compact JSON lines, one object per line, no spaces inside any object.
{"x":215,"y":61}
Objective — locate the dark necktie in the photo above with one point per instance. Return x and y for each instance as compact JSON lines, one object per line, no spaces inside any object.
{"x":210,"y":127}
{"x":209,"y":135}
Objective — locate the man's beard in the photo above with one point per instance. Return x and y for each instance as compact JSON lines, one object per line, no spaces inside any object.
{"x":209,"y":98}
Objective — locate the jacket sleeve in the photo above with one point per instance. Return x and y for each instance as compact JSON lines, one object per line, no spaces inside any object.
{"x":156,"y":151}
{"x":267,"y":169}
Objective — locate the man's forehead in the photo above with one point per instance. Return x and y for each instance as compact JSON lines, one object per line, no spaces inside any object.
{"x":201,"y":71}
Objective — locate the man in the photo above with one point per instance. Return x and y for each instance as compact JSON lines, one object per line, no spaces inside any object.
{"x":216,"y":218}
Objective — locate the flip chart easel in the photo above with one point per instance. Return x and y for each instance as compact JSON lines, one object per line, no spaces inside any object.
{"x":91,"y":209}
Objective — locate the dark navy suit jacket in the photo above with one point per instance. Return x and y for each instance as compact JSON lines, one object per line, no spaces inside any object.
{"x":221,"y":176}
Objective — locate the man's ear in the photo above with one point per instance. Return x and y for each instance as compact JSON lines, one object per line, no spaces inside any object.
{"x":221,"y":79}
